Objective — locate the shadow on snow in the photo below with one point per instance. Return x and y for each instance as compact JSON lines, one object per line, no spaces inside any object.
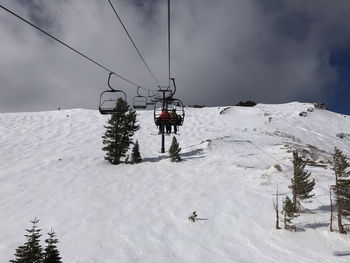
{"x":185,"y":156}
{"x":341,"y":253}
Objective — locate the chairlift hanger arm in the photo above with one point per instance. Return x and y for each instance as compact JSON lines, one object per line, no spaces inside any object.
{"x":138,"y":94}
{"x":109,"y":79}
{"x":173,"y":92}
{"x":153,"y":95}
{"x":109,"y":85}
{"x":173,"y":79}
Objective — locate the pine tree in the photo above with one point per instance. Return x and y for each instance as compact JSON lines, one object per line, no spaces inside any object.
{"x":174,"y":151}
{"x":31,"y":251}
{"x":52,"y":255}
{"x":342,"y":187}
{"x":289,"y":214}
{"x":301,"y":184}
{"x":135,"y":155}
{"x":119,"y":131}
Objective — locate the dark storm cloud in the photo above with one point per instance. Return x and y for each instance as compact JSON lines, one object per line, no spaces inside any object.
{"x":268,"y":52}
{"x":147,"y":8}
{"x":222,"y":51}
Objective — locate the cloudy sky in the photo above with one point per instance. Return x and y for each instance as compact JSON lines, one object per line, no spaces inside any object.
{"x":223,"y":51}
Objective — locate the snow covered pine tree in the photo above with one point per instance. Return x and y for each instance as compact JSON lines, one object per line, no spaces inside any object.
{"x":31,"y":251}
{"x":135,"y":154}
{"x":301,"y":184}
{"x":119,"y":131}
{"x":289,"y":214}
{"x":174,"y":151}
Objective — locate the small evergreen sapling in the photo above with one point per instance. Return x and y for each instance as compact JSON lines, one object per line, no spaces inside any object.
{"x":289,"y":214}
{"x":301,"y":184}
{"x":135,"y":155}
{"x":174,"y":151}
{"x":31,"y":251}
{"x":52,"y":255}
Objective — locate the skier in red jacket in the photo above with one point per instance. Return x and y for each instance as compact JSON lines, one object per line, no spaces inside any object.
{"x":164,"y":119}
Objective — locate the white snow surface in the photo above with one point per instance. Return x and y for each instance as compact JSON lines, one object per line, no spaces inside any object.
{"x":52,"y":167}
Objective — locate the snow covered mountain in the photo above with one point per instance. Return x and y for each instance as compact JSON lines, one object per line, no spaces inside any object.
{"x":52,"y":167}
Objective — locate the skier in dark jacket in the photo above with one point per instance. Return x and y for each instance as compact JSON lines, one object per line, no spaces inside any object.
{"x":173,"y":119}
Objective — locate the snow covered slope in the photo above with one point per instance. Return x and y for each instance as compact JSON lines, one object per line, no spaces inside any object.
{"x":52,"y":167}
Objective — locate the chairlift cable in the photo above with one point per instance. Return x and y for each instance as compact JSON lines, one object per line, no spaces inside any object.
{"x":132,"y":41}
{"x":68,"y":46}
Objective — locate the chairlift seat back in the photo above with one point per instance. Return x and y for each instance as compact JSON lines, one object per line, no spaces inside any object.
{"x":108,"y":102}
{"x":140,"y":102}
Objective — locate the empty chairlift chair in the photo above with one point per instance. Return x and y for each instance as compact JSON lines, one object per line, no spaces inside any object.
{"x":109,"y":99}
{"x":139,"y":102}
{"x":151,"y":98}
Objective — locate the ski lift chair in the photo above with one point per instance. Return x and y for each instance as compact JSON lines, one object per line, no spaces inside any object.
{"x":170,"y":105}
{"x":139,"y":102}
{"x":109,"y":99}
{"x":151,"y":99}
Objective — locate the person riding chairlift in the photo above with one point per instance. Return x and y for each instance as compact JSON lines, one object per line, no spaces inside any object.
{"x":164,"y":119}
{"x":173,"y":119}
